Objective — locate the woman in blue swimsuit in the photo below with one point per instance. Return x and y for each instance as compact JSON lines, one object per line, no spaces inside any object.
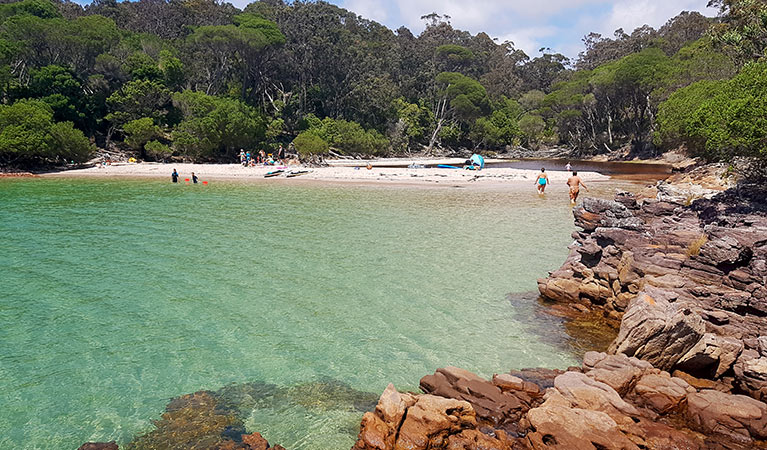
{"x":542,"y":181}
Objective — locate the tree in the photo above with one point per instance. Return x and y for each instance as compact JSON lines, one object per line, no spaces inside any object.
{"x":215,"y":127}
{"x":309,"y":143}
{"x":29,"y":135}
{"x":532,"y":127}
{"x":139,"y":132}
{"x":742,"y":29}
{"x":462,"y":100}
{"x":227,"y":49}
{"x":732,"y":123}
{"x":677,"y":113}
{"x":137,"y":99}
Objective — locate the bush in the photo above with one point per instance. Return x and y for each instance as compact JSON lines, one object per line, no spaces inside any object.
{"x":676,"y":114}
{"x":309,"y":143}
{"x":158,"y":150}
{"x":348,"y":137}
{"x":215,"y":127}
{"x":720,"y":120}
{"x":69,"y":143}
{"x":29,"y":135}
{"x":140,"y":131}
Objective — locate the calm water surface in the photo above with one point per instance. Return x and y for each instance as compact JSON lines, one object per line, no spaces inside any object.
{"x":116,"y":296}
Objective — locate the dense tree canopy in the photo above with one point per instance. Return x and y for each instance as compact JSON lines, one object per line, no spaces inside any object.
{"x":201,"y":79}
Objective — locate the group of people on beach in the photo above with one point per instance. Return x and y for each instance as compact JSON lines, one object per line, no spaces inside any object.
{"x":262,"y":158}
{"x":574,"y":182}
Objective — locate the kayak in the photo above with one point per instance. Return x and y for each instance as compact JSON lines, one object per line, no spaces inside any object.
{"x":273,"y":173}
{"x":445,"y":166}
{"x":296,"y":173}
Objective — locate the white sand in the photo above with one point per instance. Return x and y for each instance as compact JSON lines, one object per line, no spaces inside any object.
{"x":380,"y":175}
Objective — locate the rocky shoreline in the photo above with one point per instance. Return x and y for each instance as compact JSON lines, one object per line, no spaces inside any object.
{"x":680,"y":271}
{"x":687,"y":283}
{"x":683,"y":280}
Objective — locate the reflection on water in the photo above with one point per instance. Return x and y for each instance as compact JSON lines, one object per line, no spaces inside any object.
{"x":635,"y":169}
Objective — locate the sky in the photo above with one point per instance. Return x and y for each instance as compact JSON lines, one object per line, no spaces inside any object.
{"x":530,"y":25}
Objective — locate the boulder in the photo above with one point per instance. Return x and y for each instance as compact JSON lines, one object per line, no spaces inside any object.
{"x":374,"y":434}
{"x":620,"y":372}
{"x":488,"y":400}
{"x":737,"y":417}
{"x":476,"y":440}
{"x":658,"y":331}
{"x":751,"y":374}
{"x":712,"y":353}
{"x":255,"y":441}
{"x":584,"y":392}
{"x":558,"y":426}
{"x":660,"y":392}
{"x":99,"y":446}
{"x":392,"y":405}
{"x":431,"y":420}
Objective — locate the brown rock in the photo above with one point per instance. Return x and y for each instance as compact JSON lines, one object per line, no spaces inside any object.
{"x":736,"y":416}
{"x":475,"y":440}
{"x":657,"y":331}
{"x":660,"y":393}
{"x":620,"y":372}
{"x":584,"y":392}
{"x":431,"y":420}
{"x":111,"y":445}
{"x":713,"y":353}
{"x":392,"y":405}
{"x":374,"y":434}
{"x":658,"y":436}
{"x":560,"y":427}
{"x":255,"y":441}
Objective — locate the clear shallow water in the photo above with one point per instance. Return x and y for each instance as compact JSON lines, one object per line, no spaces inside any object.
{"x":116,"y":296}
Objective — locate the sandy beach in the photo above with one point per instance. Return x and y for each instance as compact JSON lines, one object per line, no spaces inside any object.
{"x":336,"y":172}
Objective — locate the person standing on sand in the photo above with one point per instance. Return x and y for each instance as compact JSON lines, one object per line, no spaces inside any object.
{"x":575,"y":184}
{"x":194,"y":178}
{"x":568,"y":167}
{"x":542,"y":181}
{"x":174,"y":176}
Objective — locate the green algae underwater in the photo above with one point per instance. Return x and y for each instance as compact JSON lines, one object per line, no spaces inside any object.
{"x":295,"y":304}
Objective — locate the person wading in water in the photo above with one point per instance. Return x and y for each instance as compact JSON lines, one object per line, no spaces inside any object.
{"x":575,"y":184}
{"x":542,"y":181}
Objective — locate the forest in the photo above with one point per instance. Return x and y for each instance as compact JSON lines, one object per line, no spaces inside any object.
{"x":199,"y":80}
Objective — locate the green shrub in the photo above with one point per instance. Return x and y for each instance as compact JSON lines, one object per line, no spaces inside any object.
{"x":28,"y":134}
{"x":158,"y":150}
{"x":309,"y":143}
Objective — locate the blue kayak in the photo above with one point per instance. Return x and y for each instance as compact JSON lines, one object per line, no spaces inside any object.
{"x":445,"y":166}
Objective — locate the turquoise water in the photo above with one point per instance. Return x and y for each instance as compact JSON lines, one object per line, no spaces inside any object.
{"x":116,"y":296}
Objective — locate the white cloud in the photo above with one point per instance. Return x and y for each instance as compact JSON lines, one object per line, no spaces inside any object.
{"x":529,"y":39}
{"x":369,"y":9}
{"x":559,"y":24}
{"x":631,"y":14}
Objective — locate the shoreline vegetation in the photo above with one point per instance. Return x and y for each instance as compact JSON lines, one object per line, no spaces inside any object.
{"x":203,"y":80}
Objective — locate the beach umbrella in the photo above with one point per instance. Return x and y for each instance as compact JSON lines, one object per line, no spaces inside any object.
{"x":478,"y":160}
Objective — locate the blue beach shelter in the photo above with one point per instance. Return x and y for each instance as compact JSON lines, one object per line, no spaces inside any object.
{"x":478,"y":160}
